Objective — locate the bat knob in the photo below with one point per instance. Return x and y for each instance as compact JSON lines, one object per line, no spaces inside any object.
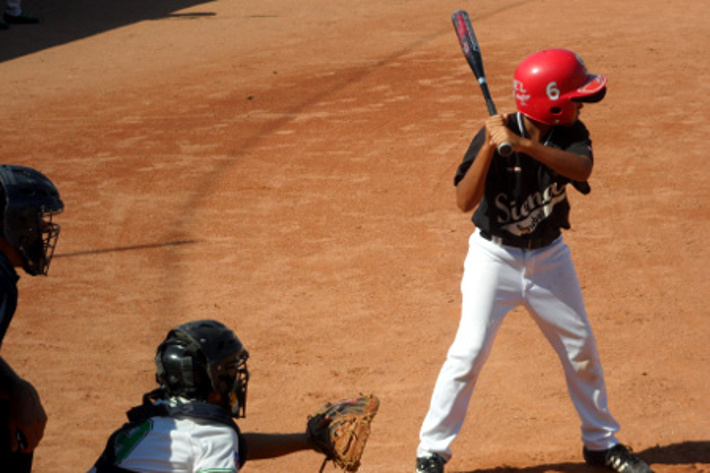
{"x":505,"y":149}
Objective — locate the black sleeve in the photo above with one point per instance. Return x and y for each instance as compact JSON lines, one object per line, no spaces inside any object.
{"x":575,"y":139}
{"x":470,"y":155}
{"x":579,"y":142}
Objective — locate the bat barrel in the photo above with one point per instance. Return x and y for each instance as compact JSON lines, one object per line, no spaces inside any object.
{"x":472,"y":52}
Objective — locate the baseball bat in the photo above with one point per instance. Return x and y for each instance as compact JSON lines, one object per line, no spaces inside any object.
{"x":472,"y":53}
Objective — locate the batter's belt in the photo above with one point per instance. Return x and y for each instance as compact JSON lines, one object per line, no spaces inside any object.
{"x":525,"y":244}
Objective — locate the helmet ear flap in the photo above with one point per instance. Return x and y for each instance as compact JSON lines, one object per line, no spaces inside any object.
{"x":180,"y":371}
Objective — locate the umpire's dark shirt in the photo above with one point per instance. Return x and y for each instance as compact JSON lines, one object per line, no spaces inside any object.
{"x":8,"y":294}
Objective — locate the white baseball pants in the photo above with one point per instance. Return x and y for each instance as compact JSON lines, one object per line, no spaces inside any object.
{"x":496,"y":280}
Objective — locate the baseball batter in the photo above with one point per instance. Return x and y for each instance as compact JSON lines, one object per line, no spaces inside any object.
{"x":517,"y":254}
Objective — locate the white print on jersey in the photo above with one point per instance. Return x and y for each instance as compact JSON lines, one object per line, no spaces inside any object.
{"x":523,"y":219}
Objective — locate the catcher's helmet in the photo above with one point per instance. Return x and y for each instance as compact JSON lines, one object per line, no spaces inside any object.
{"x":29,"y":201}
{"x":201,"y":357}
{"x":546,"y":83}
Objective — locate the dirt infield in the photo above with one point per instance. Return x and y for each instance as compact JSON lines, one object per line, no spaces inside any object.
{"x":287,"y":167}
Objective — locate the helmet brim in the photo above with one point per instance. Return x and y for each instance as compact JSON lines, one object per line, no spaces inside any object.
{"x":592,"y":91}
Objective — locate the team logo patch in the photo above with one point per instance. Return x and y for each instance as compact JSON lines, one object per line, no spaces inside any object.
{"x":521,"y":94}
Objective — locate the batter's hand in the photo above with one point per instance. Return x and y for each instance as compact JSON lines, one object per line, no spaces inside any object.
{"x":497,"y":133}
{"x":26,"y":418}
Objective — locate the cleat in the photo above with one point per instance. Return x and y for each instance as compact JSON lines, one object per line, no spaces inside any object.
{"x":431,"y":464}
{"x":618,"y":458}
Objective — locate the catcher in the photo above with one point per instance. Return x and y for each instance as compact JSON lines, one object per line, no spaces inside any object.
{"x":187,"y":424}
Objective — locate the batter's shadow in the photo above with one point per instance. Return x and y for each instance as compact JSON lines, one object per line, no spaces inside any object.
{"x":684,"y":453}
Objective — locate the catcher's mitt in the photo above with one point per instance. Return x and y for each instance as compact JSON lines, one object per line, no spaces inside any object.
{"x":340,"y":430}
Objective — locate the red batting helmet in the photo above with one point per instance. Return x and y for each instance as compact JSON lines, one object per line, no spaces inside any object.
{"x":547,"y":82}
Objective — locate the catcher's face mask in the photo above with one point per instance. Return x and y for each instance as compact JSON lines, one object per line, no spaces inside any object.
{"x":232,"y":377}
{"x":28,"y":203}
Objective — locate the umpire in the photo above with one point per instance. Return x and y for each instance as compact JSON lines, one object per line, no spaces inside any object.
{"x":28,"y":202}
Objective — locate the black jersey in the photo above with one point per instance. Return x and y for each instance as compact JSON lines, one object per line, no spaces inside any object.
{"x":523,"y":198}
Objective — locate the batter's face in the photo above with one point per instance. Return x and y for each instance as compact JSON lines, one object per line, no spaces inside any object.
{"x":577,"y":109}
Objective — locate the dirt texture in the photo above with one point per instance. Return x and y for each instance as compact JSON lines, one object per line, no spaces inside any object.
{"x":287,"y":168}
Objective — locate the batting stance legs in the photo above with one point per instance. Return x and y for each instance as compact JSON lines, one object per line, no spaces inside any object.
{"x":496,"y":280}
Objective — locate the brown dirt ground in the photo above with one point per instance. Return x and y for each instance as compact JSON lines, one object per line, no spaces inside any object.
{"x":286,"y":167}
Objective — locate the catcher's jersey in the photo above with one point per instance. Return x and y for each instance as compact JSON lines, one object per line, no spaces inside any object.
{"x":523,"y":198}
{"x":175,"y":445}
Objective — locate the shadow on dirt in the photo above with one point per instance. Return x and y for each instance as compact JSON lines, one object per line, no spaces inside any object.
{"x":685,"y":453}
{"x":148,"y":246}
{"x":63,"y":21}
